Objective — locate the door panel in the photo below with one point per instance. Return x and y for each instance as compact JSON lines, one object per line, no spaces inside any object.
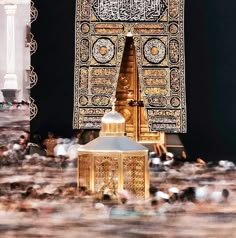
{"x":127,"y":91}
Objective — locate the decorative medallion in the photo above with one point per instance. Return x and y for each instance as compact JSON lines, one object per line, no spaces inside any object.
{"x":175,"y":102}
{"x":154,"y":51}
{"x":173,"y":28}
{"x":83,"y":100}
{"x":129,"y":10}
{"x":103,"y":50}
{"x":85,"y":28}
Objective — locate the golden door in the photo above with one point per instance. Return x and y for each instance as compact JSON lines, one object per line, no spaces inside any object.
{"x":128,"y":95}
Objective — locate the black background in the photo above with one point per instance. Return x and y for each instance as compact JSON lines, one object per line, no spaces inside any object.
{"x":210,"y":74}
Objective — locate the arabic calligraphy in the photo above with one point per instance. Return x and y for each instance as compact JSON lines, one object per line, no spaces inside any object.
{"x":129,"y":10}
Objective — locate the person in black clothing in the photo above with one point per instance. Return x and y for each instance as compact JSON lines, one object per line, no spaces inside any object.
{"x":35,"y":146}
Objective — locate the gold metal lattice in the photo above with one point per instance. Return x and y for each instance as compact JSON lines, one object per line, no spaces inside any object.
{"x":134,"y":174}
{"x":84,"y":171}
{"x":106,"y":174}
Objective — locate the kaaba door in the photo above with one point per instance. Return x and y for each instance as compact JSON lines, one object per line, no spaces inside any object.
{"x":128,"y":94}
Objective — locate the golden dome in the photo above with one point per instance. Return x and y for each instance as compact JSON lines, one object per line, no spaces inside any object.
{"x":113,"y":124}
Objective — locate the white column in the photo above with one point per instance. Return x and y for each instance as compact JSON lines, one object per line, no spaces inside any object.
{"x":10,"y":77}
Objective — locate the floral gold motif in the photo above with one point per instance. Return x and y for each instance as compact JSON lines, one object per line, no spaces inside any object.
{"x":174,"y":51}
{"x":173,"y":8}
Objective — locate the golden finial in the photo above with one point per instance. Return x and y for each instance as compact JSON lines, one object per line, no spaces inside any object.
{"x":113,"y":103}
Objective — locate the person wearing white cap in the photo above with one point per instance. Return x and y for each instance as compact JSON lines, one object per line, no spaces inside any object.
{"x":156,"y":161}
{"x":169,"y":155}
{"x":162,"y":196}
{"x":169,"y":159}
{"x":226,"y":164}
{"x":163,"y":202}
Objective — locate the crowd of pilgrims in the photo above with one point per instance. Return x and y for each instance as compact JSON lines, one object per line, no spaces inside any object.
{"x":43,"y":161}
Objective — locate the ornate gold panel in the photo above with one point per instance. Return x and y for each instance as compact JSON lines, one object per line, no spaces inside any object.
{"x":112,"y":172}
{"x":135,"y":174}
{"x":84,"y":170}
{"x":157,"y":28}
{"x":128,"y":91}
{"x":106,"y":173}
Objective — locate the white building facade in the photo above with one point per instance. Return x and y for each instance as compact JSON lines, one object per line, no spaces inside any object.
{"x":14,"y":52}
